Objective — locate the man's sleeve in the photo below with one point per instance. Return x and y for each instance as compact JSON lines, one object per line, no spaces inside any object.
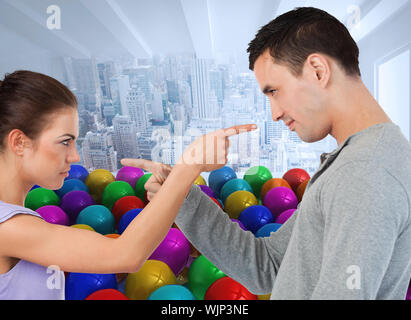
{"x":239,"y":254}
{"x":364,"y":211}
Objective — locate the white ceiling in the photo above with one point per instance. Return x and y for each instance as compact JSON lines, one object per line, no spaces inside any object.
{"x":107,"y":28}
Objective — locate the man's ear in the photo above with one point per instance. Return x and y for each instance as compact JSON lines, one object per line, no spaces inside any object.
{"x":318,"y":69}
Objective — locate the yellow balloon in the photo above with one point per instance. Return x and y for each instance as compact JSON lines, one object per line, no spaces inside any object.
{"x":239,"y":201}
{"x":200,"y":181}
{"x":82,"y":226}
{"x":96,"y":182}
{"x":152,"y":275}
{"x":264,"y":296}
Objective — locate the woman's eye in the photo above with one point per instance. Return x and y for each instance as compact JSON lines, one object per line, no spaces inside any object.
{"x":65,"y":143}
{"x":273,"y":92}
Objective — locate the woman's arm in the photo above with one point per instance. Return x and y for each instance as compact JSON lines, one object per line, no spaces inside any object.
{"x":76,"y":250}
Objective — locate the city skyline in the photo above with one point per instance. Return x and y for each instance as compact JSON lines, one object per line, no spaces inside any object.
{"x":154,"y":108}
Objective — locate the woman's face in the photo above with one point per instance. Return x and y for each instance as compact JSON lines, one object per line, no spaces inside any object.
{"x":47,"y":166}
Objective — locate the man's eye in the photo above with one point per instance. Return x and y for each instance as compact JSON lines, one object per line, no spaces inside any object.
{"x":273,"y":92}
{"x":65,"y":142}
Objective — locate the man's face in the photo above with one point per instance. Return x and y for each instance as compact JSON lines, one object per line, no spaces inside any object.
{"x":296,"y":100}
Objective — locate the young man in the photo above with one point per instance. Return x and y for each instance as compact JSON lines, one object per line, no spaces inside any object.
{"x":350,"y":237}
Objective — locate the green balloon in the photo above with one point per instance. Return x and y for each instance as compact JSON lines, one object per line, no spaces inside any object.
{"x":256,"y":177}
{"x":40,"y":197}
{"x":139,"y":189}
{"x":201,"y":275}
{"x":114,"y":191}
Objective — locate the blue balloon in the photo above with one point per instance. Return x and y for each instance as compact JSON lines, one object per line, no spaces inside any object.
{"x":234,"y":185}
{"x":34,"y":187}
{"x":172,"y":292}
{"x":79,"y":286}
{"x":265,"y":231}
{"x":77,"y":172}
{"x":254,"y":217}
{"x":218,"y":178}
{"x":71,"y":185}
{"x":127,"y":218}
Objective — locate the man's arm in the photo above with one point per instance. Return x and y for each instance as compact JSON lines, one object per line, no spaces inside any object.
{"x":252,"y":261}
{"x":364,"y":211}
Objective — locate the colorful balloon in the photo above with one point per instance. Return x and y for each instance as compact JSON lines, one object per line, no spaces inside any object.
{"x":256,"y":177}
{"x":238,"y":201}
{"x":279,"y":200}
{"x":151,"y":276}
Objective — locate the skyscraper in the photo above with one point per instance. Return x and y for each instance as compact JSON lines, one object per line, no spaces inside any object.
{"x":201,"y":87}
{"x":125,"y":137}
{"x":137,"y":109}
{"x":119,"y":88}
{"x":98,"y":152}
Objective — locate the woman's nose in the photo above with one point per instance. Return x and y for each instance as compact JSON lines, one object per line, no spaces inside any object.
{"x":75,"y":157}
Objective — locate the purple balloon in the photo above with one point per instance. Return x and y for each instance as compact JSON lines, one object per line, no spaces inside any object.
{"x":174,"y":251}
{"x":284,"y":216}
{"x":130,"y":175}
{"x":239,"y":223}
{"x":279,"y":200}
{"x":73,"y":202}
{"x":53,"y":214}
{"x":207,"y":190}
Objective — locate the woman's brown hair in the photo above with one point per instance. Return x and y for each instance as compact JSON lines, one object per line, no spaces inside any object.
{"x":27,"y":100}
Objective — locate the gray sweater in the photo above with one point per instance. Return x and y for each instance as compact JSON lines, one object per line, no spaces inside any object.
{"x":350,"y":237}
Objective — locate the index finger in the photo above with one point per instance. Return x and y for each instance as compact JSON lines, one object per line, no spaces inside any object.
{"x":239,"y":129}
{"x":138,"y":163}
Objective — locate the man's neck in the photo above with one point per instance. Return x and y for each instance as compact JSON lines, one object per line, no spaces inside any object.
{"x":355,"y":111}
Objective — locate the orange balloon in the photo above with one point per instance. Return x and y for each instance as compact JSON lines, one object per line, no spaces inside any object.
{"x":112,"y":235}
{"x":301,"y":190}
{"x":273,"y":183}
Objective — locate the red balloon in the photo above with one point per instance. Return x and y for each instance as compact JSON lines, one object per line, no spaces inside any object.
{"x":107,"y":294}
{"x":216,"y":201}
{"x":295,"y":177}
{"x":146,"y":201}
{"x":125,"y":204}
{"x":227,"y":288}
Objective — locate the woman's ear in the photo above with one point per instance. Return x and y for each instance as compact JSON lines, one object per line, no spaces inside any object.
{"x":18,"y":141}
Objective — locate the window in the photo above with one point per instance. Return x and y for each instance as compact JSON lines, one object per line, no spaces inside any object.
{"x":393,"y":87}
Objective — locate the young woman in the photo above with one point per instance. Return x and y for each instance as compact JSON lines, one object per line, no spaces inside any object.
{"x":38,"y":129}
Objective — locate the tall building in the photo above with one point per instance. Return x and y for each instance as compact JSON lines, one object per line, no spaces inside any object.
{"x":98,"y":152}
{"x":217,"y":85}
{"x":84,"y":81}
{"x":157,"y":107}
{"x":200,"y":83}
{"x":108,"y":112}
{"x":172,"y":91}
{"x":119,"y":88}
{"x":140,"y":77}
{"x":125,"y":137}
{"x":106,"y":70}
{"x":137,"y":109}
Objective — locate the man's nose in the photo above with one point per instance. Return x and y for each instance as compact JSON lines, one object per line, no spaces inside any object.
{"x":276,"y":113}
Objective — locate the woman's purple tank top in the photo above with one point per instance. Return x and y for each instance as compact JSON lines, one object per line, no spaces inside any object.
{"x":26,"y":280}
